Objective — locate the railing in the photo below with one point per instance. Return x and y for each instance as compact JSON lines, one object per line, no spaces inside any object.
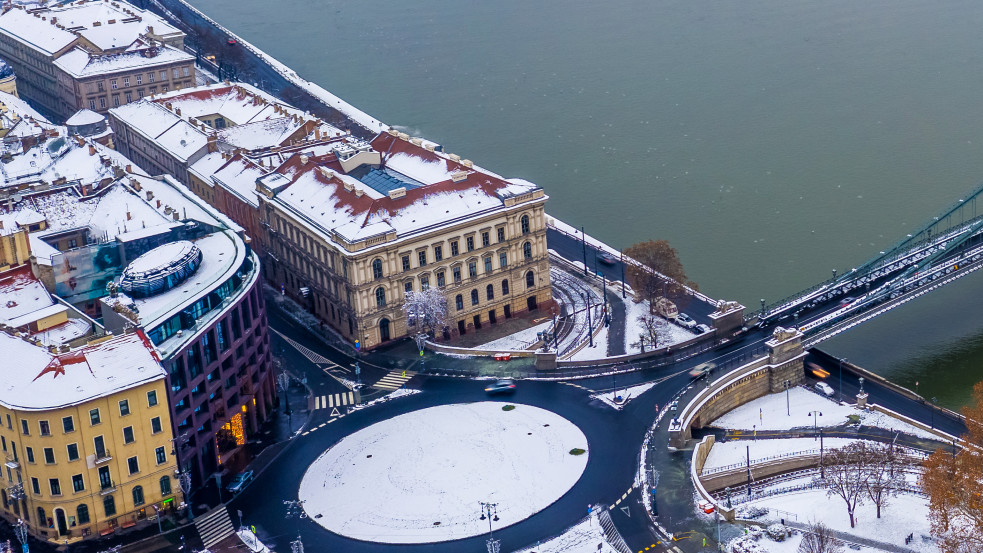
{"x":102,"y":455}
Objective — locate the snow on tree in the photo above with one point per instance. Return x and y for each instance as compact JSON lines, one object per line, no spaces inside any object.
{"x":953,"y":482}
{"x":847,"y":474}
{"x":655,"y":331}
{"x":427,"y":308}
{"x":819,"y":539}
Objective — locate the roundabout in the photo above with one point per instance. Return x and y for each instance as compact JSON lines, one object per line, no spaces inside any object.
{"x":420,"y":477}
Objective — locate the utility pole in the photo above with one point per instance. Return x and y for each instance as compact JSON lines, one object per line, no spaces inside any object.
{"x":788,"y":409}
{"x":748,"y":449}
{"x":815,"y":424}
{"x":843,"y":360}
{"x":822,"y":465}
{"x":490,"y":511}
{"x":623,"y":296}
{"x":590,"y":325}
{"x":297,"y":546}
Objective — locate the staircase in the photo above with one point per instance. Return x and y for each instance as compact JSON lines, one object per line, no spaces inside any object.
{"x":214,"y":526}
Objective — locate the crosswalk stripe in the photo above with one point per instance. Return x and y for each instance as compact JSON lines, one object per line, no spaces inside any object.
{"x":331,"y":401}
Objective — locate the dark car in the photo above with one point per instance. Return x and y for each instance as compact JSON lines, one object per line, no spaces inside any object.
{"x":501,"y":387}
{"x":607,"y":259}
{"x":239,"y":482}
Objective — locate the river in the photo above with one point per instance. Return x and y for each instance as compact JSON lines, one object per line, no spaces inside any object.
{"x":769,"y":141}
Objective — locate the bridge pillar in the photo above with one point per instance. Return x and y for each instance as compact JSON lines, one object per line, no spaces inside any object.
{"x":785,"y":359}
{"x":728,"y":318}
{"x":546,"y":361}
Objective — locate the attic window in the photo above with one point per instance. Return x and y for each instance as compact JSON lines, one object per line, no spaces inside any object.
{"x":11,"y":303}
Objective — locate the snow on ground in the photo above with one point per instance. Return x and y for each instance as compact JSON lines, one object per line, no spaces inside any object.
{"x":757,"y":541}
{"x":599,"y":351}
{"x":735,"y":452}
{"x":584,"y":537}
{"x":419,"y":477}
{"x":770,"y":412}
{"x":627,"y":394}
{"x":633,"y":328}
{"x":388,"y":397}
{"x":519,"y":341}
{"x":903,"y":515}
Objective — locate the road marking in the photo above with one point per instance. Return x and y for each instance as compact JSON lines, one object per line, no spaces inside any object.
{"x":626,"y":511}
{"x":311,"y":355}
{"x":394,"y":380}
{"x":335,"y":413}
{"x":333,"y":401}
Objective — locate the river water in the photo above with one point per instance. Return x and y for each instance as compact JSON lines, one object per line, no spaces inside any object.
{"x":770,"y":141}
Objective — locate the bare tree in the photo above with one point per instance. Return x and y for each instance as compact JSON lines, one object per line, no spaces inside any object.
{"x":655,"y":330}
{"x":886,"y":474}
{"x":954,"y":484}
{"x":819,"y":539}
{"x":847,"y":474}
{"x":661,"y":271}
{"x":427,"y":308}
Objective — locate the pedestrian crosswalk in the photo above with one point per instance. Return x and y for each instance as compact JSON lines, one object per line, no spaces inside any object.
{"x":214,"y":526}
{"x":394,"y":380}
{"x":330,"y":401}
{"x":312,"y":356}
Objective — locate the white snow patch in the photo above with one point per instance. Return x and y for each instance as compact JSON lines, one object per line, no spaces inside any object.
{"x":395,"y":480}
{"x":626,"y":395}
{"x":599,"y":351}
{"x":519,"y":341}
{"x":584,"y":537}
{"x":724,"y":454}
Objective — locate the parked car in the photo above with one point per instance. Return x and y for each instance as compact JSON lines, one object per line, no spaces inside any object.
{"x":501,"y":387}
{"x":607,"y":259}
{"x":702,"y":329}
{"x":239,"y":482}
{"x":685,"y":321}
{"x":824,"y":389}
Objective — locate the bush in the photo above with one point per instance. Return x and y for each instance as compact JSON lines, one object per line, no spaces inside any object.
{"x":777,"y":532}
{"x":577,"y":451}
{"x":508,"y":407}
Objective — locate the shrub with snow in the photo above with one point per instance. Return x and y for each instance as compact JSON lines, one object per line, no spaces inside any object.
{"x":777,"y":532}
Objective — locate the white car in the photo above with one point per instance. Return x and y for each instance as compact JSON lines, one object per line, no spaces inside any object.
{"x":824,"y":389}
{"x":685,"y":321}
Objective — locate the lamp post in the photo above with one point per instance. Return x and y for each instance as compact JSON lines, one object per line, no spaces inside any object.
{"x":184,"y":479}
{"x":583,"y":240}
{"x":20,"y":529}
{"x":590,"y":325}
{"x":283,"y":382}
{"x":815,"y":424}
{"x":762,"y":309}
{"x":822,"y":466}
{"x":788,"y":408}
{"x":556,"y":339}
{"x":490,"y":511}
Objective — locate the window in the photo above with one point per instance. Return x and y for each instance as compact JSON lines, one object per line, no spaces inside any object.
{"x":459,"y":302}
{"x":30,"y":454}
{"x":140,"y":93}
{"x":454,"y":248}
{"x":505,"y":287}
{"x":150,"y":77}
{"x":457,"y":274}
{"x":408,"y":286}
{"x":100,"y":87}
{"x":133,"y":465}
{"x":139,"y":79}
{"x":438,"y":253}
{"x":163,"y":75}
{"x":82,"y":513}
{"x":9,"y":425}
{"x":472,"y":269}
{"x":94,"y":417}
{"x":185,"y":71}
{"x":116,"y":100}
{"x":126,"y":82}
{"x":55,"y":486}
{"x":380,"y":297}
{"x":44,"y":428}
{"x":530,"y":280}
{"x":177,"y":74}
{"x":527,"y":250}
{"x":501,"y":234}
{"x":525,"y":224}
{"x":24,"y":429}
{"x":73,"y":452}
{"x":92,"y":104}
{"x":155,"y":425}
{"x":113,"y":85}
{"x":3,"y":442}
{"x":503,"y":260}
{"x":137,"y":495}
{"x":165,"y":485}
{"x":470,"y":243}
{"x":485,"y":240}
{"x":153,"y":90}
{"x":49,"y":455}
{"x":78,"y":485}
{"x":406,"y":262}
{"x":105,"y":480}
{"x":128,"y":435}
{"x":161,"y":455}
{"x":490,"y":292}
{"x":151,"y":398}
{"x":422,"y":257}
{"x":474,"y":297}
{"x":35,"y":486}
{"x":109,"y":505}
{"x":488,"y":264}
{"x":129,"y":96}
{"x":124,"y":408}
{"x":424,"y":282}
{"x":377,"y":268}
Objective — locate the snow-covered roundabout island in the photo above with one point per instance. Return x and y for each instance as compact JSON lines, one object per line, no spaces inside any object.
{"x":420,"y":477}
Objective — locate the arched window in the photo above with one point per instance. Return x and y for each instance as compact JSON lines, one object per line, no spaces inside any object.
{"x":109,"y":505}
{"x":527,"y":250}
{"x":459,"y":302}
{"x":505,"y":287}
{"x":474,"y":297}
{"x":83,"y":514}
{"x":165,"y":485}
{"x":525,"y":224}
{"x":377,"y":268}
{"x":380,"y":297}
{"x":138,"y":495}
{"x":530,"y":280}
{"x":490,"y":292}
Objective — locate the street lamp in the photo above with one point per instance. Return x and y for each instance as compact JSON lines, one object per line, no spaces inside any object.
{"x":583,"y":240}
{"x":20,"y":529}
{"x":590,"y":325}
{"x":815,"y":424}
{"x":822,"y":466}
{"x":283,"y":382}
{"x":623,"y":296}
{"x":184,"y":479}
{"x":788,"y":408}
{"x":762,"y":308}
{"x":490,"y":511}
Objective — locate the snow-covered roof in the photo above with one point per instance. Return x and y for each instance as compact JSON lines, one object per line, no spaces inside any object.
{"x":261,"y":134}
{"x":21,"y":294}
{"x":11,"y":103}
{"x":171,"y":131}
{"x":84,"y":117}
{"x":80,"y":63}
{"x":236,"y":174}
{"x":34,"y":31}
{"x":36,"y":379}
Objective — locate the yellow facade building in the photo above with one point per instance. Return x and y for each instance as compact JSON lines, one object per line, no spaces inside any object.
{"x":85,"y":435}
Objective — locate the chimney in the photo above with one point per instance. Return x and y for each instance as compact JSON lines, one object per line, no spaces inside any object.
{"x":212,"y":143}
{"x":92,"y":150}
{"x":177,"y":112}
{"x":150,"y":195}
{"x":129,"y":216}
{"x":129,"y":169}
{"x":150,"y":29}
{"x":1,"y":224}
{"x":158,"y":204}
{"x":135,"y":183}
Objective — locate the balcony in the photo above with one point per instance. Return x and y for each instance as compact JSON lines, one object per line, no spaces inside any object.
{"x":12,"y":462}
{"x":107,"y":488}
{"x":102,"y":456}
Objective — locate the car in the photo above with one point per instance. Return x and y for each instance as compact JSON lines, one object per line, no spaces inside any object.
{"x":847,"y":301}
{"x":607,"y":259}
{"x":702,"y":329}
{"x":501,"y":387}
{"x":685,"y":321}
{"x":673,"y":406}
{"x":239,"y":482}
{"x":824,"y":389}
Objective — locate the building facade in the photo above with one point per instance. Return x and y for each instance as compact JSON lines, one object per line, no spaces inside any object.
{"x":86,"y":437}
